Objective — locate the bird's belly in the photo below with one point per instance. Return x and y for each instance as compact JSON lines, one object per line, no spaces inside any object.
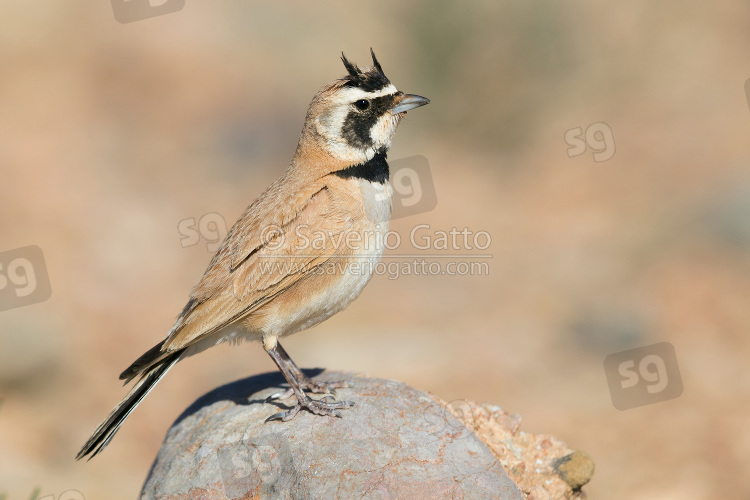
{"x":336,"y":283}
{"x":325,"y":291}
{"x":348,"y":280}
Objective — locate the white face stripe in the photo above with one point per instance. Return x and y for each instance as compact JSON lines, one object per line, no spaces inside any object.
{"x":352,"y":94}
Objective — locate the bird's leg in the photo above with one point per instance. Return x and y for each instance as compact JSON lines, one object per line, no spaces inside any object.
{"x":304,"y":381}
{"x":325,"y":406}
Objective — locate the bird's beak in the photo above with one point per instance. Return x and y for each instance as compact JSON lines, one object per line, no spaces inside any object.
{"x":409,"y":101}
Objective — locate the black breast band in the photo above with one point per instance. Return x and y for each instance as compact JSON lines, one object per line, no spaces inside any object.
{"x":374,"y":170}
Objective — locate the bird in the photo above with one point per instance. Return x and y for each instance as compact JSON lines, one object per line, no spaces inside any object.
{"x":300,"y":253}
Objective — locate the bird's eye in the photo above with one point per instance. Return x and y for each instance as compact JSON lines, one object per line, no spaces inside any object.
{"x":362,"y":104}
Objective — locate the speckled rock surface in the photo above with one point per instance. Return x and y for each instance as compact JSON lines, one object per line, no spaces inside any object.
{"x":542,"y":466}
{"x":396,"y":442}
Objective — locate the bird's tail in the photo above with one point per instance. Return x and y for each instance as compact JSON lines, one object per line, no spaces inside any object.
{"x":107,"y":429}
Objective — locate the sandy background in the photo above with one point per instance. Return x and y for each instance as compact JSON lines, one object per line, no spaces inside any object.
{"x":111,"y":134}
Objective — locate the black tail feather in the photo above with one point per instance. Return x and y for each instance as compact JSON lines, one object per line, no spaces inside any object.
{"x":106,"y":431}
{"x":143,"y":363}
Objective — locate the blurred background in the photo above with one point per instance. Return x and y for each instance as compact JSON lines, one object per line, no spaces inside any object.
{"x":602,"y":146}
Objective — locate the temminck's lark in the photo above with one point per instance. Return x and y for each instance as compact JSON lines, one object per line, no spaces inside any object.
{"x":300,"y":253}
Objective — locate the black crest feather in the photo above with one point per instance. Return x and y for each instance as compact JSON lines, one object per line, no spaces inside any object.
{"x":370,"y":81}
{"x":375,"y":61}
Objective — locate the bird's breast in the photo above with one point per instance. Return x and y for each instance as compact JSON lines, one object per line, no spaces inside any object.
{"x":376,"y":200}
{"x":333,"y":285}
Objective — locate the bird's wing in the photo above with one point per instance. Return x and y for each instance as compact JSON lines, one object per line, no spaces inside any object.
{"x":256,"y":264}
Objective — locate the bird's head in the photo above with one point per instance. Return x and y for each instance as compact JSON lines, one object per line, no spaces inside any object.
{"x":356,"y":116}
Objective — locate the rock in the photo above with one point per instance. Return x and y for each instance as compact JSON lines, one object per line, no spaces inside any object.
{"x":575,"y":469}
{"x":396,"y":442}
{"x":542,"y":466}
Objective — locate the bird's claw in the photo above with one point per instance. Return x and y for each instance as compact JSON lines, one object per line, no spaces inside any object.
{"x":314,"y":386}
{"x":326,"y":406}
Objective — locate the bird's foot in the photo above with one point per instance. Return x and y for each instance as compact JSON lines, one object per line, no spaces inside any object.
{"x":326,"y":406}
{"x":314,"y":386}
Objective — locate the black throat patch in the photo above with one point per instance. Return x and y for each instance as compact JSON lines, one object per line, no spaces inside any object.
{"x":374,"y":170}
